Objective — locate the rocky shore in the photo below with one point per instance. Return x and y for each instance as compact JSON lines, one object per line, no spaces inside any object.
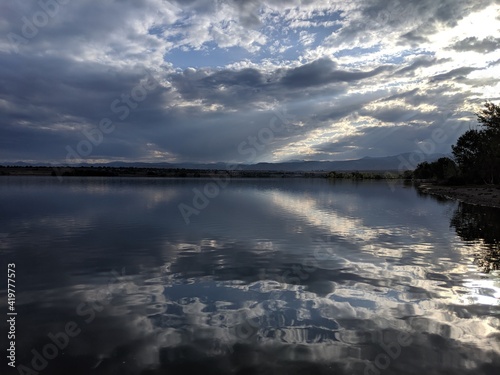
{"x":479,"y":195}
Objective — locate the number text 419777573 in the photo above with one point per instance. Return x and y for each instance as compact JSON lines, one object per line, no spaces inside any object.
{"x":11,"y":313}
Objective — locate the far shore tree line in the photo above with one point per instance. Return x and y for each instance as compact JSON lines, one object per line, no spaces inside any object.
{"x":476,"y":155}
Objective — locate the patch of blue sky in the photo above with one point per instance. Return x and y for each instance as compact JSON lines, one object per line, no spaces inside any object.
{"x":287,"y":33}
{"x":286,"y":49}
{"x":284,"y":44}
{"x":156,"y":30}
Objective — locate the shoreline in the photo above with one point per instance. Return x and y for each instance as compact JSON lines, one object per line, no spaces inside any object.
{"x":474,"y":194}
{"x":102,"y":171}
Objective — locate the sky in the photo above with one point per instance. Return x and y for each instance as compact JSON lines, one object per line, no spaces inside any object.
{"x":242,"y":81}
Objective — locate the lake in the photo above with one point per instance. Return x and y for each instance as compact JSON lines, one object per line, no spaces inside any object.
{"x":250,"y":276}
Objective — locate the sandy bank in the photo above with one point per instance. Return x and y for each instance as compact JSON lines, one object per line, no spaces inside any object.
{"x":479,"y":195}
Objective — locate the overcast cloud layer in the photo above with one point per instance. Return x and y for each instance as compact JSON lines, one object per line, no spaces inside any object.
{"x":241,"y":81}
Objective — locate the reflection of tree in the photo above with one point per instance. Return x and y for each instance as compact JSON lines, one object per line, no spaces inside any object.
{"x":474,"y":223}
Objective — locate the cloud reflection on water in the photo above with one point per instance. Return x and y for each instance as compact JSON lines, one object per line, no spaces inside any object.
{"x":217,"y":297}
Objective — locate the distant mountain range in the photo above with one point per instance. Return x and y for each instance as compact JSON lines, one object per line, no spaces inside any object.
{"x":406,"y":161}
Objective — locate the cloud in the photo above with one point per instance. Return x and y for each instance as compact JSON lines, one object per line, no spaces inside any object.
{"x":413,"y":37}
{"x":423,"y":18}
{"x":419,"y":62}
{"x":472,"y":43}
{"x":388,"y":140}
{"x":322,"y":72}
{"x":225,"y":67}
{"x":248,"y":11}
{"x":453,"y":74}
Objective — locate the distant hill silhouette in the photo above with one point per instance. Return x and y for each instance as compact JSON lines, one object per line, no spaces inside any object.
{"x":401,"y":162}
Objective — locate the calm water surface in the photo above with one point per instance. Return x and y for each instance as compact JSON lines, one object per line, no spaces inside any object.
{"x":278,"y":276}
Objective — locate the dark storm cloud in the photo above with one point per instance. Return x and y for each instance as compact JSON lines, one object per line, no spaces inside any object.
{"x":225,"y":85}
{"x":342,"y":110}
{"x":419,"y":62}
{"x":246,"y":87}
{"x":472,"y":43}
{"x":398,"y":115}
{"x":248,"y":12}
{"x":336,"y":147}
{"x":62,"y":87}
{"x":403,"y":95}
{"x":27,"y":143}
{"x":218,"y":136}
{"x":245,"y":77}
{"x":453,"y":74}
{"x":322,"y":72}
{"x":48,"y":102}
{"x":414,"y":37}
{"x":229,"y":88}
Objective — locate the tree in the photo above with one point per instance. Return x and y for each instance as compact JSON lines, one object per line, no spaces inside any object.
{"x":441,"y":169}
{"x":477,"y":151}
{"x":469,"y":153}
{"x":489,"y":117}
{"x":473,"y":223}
{"x":423,"y":171}
{"x":444,"y":168}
